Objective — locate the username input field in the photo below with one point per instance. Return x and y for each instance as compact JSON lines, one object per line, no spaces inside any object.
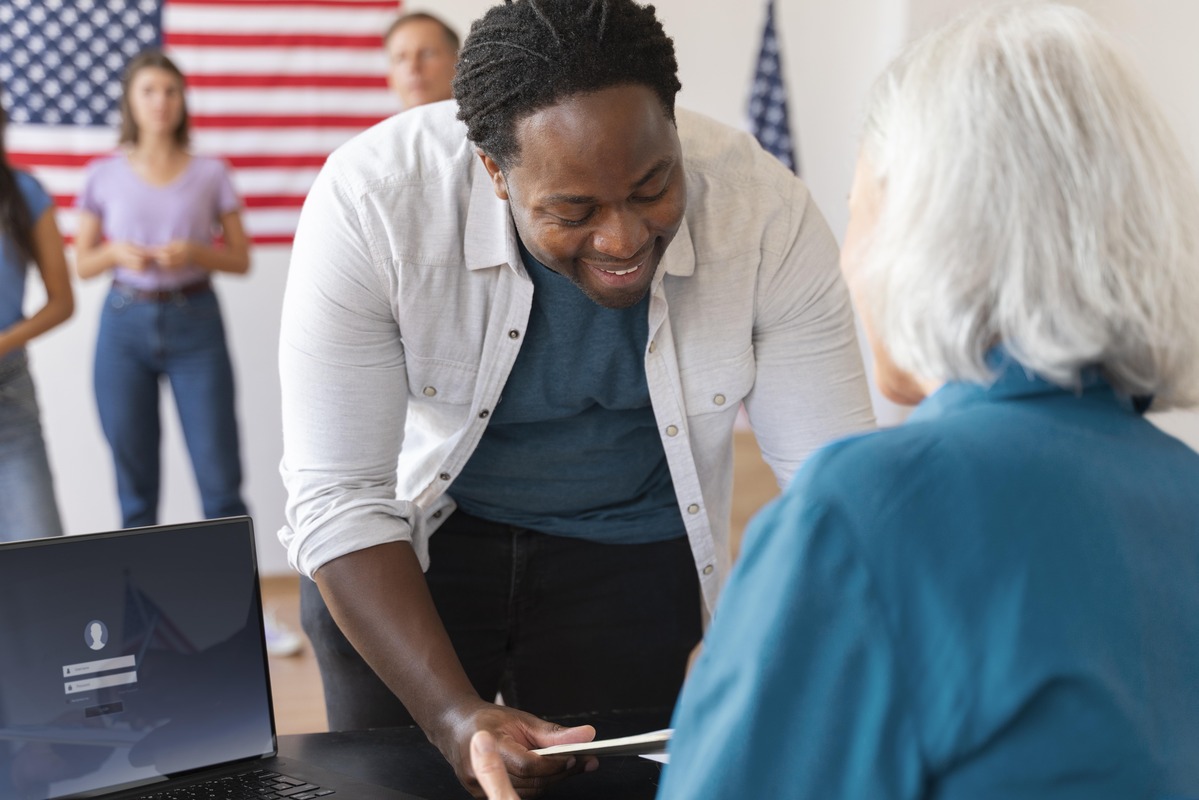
{"x":100,"y":682}
{"x":101,"y":665}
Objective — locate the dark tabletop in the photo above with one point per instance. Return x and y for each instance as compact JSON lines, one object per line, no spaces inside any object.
{"x":402,"y":758}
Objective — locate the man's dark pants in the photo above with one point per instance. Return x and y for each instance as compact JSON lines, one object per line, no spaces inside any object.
{"x":558,"y":626}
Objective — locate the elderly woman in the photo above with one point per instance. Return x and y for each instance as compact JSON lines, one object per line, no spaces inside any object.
{"x":999,"y":598}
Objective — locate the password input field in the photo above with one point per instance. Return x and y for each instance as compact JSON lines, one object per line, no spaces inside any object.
{"x":100,"y":682}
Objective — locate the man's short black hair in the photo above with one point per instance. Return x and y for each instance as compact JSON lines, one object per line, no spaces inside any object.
{"x":525,"y":55}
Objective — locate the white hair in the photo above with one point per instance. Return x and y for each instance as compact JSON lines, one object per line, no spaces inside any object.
{"x":1033,"y":196}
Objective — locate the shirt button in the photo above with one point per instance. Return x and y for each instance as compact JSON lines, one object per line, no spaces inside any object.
{"x":514,"y":334}
{"x":651,"y":347}
{"x":708,"y":569}
{"x":437,"y":514}
{"x":671,"y":430}
{"x":445,"y":476}
{"x":718,"y":399}
{"x":693,"y":509}
{"x":429,"y":391}
{"x":484,"y":414}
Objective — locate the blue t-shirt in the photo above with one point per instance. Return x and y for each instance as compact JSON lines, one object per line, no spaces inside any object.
{"x":14,"y":268}
{"x":572,"y":448}
{"x":998,"y":599}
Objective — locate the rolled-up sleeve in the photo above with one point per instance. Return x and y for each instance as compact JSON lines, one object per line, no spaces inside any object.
{"x":344,"y":387}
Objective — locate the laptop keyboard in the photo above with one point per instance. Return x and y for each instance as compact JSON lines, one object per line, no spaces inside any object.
{"x":258,"y":784}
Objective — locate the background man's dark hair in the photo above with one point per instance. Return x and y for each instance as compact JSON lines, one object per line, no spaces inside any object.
{"x":526,"y":55}
{"x":451,"y":35}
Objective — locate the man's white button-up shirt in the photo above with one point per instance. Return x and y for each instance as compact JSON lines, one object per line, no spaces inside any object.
{"x":407,"y":301}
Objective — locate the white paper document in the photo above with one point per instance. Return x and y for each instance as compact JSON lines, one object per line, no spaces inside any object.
{"x":643,"y":744}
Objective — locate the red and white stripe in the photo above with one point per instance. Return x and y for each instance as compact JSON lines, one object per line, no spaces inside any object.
{"x":273,"y":87}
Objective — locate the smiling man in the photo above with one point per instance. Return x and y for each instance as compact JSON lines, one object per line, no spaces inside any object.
{"x":547,"y":302}
{"x":601,"y":214}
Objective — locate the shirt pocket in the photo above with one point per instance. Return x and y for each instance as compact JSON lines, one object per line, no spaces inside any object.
{"x":438,"y":382}
{"x":718,"y":387}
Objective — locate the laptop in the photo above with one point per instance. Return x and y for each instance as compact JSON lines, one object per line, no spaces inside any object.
{"x":133,"y":664}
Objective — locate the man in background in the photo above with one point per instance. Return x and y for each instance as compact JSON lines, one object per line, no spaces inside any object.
{"x":421,"y":53}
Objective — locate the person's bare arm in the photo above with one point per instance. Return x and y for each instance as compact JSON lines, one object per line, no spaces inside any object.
{"x":380,"y":600}
{"x":60,"y":300}
{"x":94,"y":256}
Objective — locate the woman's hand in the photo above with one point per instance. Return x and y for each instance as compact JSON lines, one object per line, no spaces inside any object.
{"x":129,"y":256}
{"x":175,"y":255}
{"x":489,"y":768}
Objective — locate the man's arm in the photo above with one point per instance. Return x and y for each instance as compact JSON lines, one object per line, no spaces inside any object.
{"x":381,"y":602}
{"x":810,"y":387}
{"x":345,"y":391}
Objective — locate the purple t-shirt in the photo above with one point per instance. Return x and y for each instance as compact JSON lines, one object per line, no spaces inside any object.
{"x":131,"y":210}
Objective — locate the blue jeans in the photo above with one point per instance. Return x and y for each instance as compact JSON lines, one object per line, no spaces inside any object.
{"x":27,"y":507}
{"x":181,"y":339}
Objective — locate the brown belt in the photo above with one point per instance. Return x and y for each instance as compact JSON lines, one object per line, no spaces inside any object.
{"x":162,"y":295}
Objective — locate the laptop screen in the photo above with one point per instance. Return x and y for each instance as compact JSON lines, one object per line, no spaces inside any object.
{"x":129,"y":656}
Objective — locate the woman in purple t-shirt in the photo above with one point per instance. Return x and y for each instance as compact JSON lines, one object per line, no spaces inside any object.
{"x":150,"y":215}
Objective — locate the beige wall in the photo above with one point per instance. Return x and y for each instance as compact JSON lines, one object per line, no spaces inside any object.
{"x":831,"y":52}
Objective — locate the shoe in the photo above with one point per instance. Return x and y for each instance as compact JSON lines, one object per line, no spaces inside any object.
{"x":280,"y":639}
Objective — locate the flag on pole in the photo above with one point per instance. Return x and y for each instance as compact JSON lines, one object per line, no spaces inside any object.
{"x":273,"y":86}
{"x":768,"y":98}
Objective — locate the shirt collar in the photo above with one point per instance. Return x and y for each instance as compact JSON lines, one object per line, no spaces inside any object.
{"x":490,"y":235}
{"x":1014,"y":381}
{"x":679,"y":259}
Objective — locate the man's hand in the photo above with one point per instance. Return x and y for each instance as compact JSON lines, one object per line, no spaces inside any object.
{"x":514,"y":733}
{"x":380,"y":600}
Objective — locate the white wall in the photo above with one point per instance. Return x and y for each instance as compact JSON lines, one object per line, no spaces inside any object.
{"x":831,"y":53}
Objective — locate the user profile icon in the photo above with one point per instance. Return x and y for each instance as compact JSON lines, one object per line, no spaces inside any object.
{"x":95,"y":635}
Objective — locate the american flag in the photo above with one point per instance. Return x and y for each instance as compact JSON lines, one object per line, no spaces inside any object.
{"x":768,"y":98}
{"x":273,"y":87}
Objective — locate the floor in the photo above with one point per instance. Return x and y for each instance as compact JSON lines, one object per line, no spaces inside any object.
{"x":295,"y":681}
